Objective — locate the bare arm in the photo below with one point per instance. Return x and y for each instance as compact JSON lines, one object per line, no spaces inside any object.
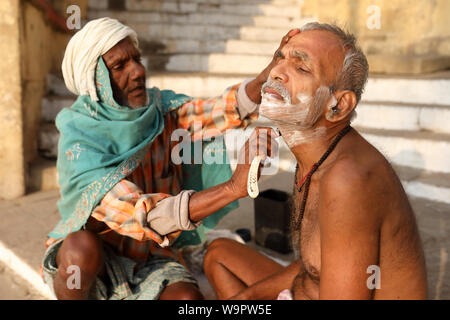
{"x":205,"y":202}
{"x":349,"y":221}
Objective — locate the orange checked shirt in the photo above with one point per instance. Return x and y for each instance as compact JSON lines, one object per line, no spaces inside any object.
{"x":125,"y":207}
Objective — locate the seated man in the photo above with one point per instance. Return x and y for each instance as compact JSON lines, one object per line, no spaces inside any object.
{"x":352,"y":225}
{"x":122,"y":197}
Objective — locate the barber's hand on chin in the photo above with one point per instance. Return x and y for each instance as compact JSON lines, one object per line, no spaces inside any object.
{"x":266,"y":146}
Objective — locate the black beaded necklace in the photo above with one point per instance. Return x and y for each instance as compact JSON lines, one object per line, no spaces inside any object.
{"x":306,"y":181}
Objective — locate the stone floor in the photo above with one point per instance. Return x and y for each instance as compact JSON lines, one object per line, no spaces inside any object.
{"x":26,"y":221}
{"x":13,"y":287}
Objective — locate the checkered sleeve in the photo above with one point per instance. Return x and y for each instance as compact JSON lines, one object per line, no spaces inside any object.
{"x":211,"y":117}
{"x":124,"y":209}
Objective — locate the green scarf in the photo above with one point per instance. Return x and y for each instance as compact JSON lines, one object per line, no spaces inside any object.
{"x":102,"y":142}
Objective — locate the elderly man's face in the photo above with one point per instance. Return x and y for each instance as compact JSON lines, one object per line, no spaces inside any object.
{"x":127,"y":74}
{"x":309,"y":60}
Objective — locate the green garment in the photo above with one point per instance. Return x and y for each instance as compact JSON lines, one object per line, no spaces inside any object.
{"x":102,"y":142}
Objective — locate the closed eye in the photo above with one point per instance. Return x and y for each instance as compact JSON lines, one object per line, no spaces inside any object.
{"x":279,"y":55}
{"x":118,"y":66}
{"x":299,"y":68}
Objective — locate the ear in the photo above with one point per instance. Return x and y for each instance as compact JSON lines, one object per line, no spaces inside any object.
{"x":346,"y":102}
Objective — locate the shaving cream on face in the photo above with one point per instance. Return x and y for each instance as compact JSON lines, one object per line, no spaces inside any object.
{"x":295,"y":121}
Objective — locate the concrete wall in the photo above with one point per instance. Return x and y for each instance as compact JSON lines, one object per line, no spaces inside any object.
{"x":413,"y":35}
{"x":42,"y":48}
{"x":30,"y":48}
{"x":11,"y":137}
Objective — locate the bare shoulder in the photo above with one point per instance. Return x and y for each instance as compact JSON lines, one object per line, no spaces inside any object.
{"x":357,"y":165}
{"x":360,"y":181}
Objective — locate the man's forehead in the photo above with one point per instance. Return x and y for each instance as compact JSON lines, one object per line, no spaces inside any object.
{"x":312,"y":44}
{"x":322,"y":50}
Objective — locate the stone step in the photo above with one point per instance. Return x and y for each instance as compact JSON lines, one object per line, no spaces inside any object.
{"x":434,"y":186}
{"x":427,"y":89}
{"x":218,"y":63}
{"x":395,"y":89}
{"x":184,"y":46}
{"x":155,"y":31}
{"x":238,"y":7}
{"x":417,"y":149}
{"x":199,"y":85}
{"x":53,"y":104}
{"x":253,"y":33}
{"x":399,"y":116}
{"x":391,"y":90}
{"x":42,"y":175}
{"x":263,"y":48}
{"x":197,"y":18}
{"x":48,"y":140}
{"x":56,"y":85}
{"x":105,"y":4}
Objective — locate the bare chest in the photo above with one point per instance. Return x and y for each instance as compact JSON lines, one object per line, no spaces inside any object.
{"x":308,"y":234}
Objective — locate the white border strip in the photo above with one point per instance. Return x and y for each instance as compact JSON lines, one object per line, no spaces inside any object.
{"x":24,"y":271}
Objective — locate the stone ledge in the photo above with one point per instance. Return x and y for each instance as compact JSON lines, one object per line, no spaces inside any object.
{"x":42,"y":176}
{"x":407,"y":65}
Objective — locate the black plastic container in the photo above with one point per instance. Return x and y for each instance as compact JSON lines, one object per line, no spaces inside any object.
{"x":272,"y":218}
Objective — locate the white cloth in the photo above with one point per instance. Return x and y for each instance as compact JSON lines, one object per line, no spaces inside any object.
{"x":172,"y":214}
{"x":84,"y":49}
{"x":286,"y":294}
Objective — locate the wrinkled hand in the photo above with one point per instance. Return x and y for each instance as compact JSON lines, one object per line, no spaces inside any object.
{"x":261,"y":143}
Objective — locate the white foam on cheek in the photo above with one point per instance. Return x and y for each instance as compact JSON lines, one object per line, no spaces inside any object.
{"x":294,"y":137}
{"x":294,"y":121}
{"x":304,"y":98}
{"x":278,"y":110}
{"x":269,"y":101}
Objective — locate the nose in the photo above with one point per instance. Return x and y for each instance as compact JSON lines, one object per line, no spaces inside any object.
{"x":278,"y":72}
{"x":138,"y":71}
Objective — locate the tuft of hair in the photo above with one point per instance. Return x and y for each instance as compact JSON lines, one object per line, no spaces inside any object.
{"x":355,"y":68}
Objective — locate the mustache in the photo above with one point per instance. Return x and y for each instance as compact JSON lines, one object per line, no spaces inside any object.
{"x":138,"y":85}
{"x":278,"y":87}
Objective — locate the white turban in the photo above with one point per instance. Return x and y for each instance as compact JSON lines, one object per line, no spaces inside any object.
{"x":84,"y":49}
